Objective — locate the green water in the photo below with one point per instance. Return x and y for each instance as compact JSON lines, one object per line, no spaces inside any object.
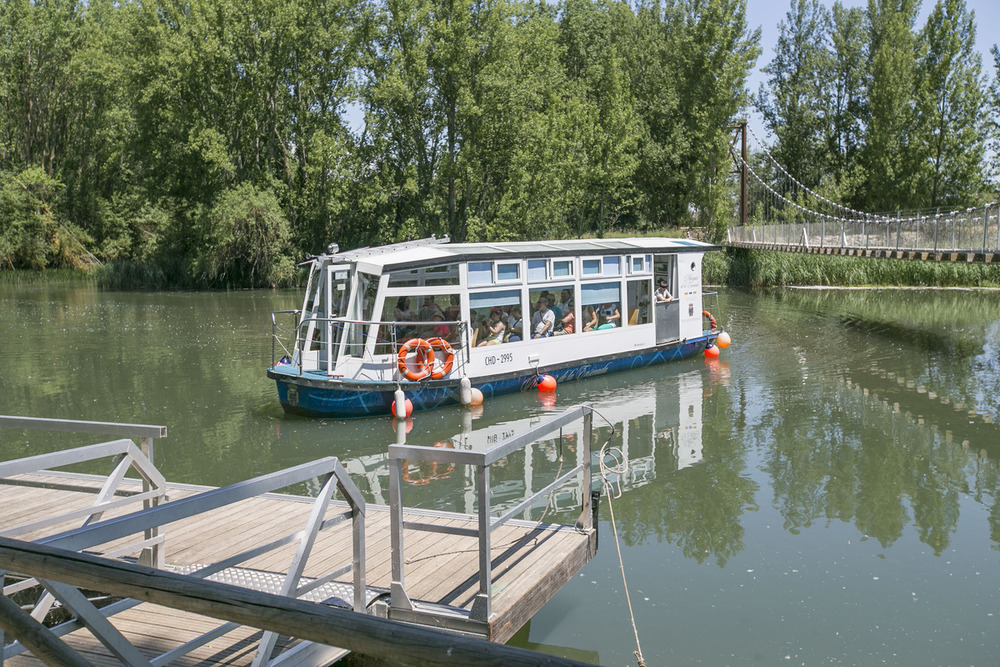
{"x":826,"y":493}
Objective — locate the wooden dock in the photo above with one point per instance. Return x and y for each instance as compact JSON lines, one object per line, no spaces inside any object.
{"x":440,"y":583}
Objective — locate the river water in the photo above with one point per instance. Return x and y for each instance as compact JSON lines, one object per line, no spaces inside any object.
{"x":827,"y":492}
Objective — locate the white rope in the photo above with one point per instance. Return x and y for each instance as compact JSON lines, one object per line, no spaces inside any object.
{"x":870,"y":217}
{"x":613,"y":490}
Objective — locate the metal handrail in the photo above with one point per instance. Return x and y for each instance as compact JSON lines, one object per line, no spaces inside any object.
{"x":483,"y":460}
{"x":329,"y":469}
{"x":393,"y":325}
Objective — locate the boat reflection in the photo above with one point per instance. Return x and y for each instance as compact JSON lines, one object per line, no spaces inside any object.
{"x":656,"y":423}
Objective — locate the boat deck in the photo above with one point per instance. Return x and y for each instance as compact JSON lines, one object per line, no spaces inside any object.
{"x":530,"y":562}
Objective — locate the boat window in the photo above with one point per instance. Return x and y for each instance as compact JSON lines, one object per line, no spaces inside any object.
{"x":538,"y":270}
{"x":638,"y":301}
{"x":507,"y":305}
{"x":612,"y":266}
{"x":560,"y":300}
{"x":591,"y":267}
{"x":562,"y":268}
{"x":357,"y":334}
{"x":600,"y":306}
{"x":431,"y":275}
{"x":480,"y":273}
{"x":419,"y":316}
{"x":641,"y":264}
{"x":507,"y":271}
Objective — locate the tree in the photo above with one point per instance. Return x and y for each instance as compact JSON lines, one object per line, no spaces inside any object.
{"x":888,"y":156}
{"x":846,"y":99}
{"x":794,"y":105}
{"x":950,"y":137}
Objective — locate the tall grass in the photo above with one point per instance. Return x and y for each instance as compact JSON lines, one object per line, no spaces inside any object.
{"x":48,"y":277}
{"x":769,"y":268}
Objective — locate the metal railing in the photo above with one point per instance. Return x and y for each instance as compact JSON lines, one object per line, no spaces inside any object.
{"x":146,"y":433}
{"x":291,"y":340}
{"x":971,"y":231}
{"x":402,"y":606}
{"x":91,"y":535}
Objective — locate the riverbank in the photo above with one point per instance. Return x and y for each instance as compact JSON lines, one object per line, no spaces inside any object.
{"x":767,"y":268}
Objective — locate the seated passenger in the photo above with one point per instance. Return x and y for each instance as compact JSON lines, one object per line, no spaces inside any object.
{"x":610,"y":317}
{"x":543,"y":321}
{"x":514,"y":325}
{"x":495,"y":328}
{"x":568,"y":322}
{"x":662,"y":294}
{"x":590,"y":319}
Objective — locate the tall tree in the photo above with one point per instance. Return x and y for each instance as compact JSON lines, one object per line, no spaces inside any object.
{"x":888,"y":156}
{"x":794,"y":103}
{"x":846,"y":101}
{"x":951,"y":129}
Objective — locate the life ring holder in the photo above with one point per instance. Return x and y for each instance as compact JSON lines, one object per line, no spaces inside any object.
{"x":711,"y":320}
{"x":438,"y":371}
{"x":424,"y":358}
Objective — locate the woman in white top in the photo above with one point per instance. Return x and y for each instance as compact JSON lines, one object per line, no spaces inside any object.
{"x":495,"y":327}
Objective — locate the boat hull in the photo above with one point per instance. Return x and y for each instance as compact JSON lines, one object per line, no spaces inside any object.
{"x":320,"y":397}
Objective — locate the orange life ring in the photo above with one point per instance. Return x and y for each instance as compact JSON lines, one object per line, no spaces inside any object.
{"x":710,"y":319}
{"x":424,"y":358}
{"x":439,"y":371}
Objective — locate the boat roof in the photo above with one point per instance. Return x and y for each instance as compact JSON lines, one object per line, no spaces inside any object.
{"x":437,"y":251}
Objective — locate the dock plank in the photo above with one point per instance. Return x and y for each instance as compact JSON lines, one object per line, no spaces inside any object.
{"x":530,"y":563}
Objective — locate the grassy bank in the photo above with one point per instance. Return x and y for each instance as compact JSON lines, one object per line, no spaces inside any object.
{"x":763,"y":268}
{"x":47,"y":277}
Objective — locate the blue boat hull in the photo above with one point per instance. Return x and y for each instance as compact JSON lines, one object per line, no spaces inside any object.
{"x":324,"y":398}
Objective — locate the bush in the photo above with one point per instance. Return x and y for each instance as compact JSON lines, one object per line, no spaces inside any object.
{"x":244,"y":236}
{"x":32,"y":235}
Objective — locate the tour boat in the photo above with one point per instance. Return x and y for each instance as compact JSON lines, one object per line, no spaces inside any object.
{"x":427,"y":323}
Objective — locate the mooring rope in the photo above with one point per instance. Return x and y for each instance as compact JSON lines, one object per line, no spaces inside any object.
{"x":613,"y":490}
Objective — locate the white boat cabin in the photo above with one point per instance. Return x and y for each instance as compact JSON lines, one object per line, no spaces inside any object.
{"x":488,"y":299}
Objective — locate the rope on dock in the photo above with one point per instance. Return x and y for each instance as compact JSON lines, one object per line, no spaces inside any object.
{"x":613,"y":491}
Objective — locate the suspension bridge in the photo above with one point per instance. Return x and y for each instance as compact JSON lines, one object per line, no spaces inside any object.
{"x":778,"y":212}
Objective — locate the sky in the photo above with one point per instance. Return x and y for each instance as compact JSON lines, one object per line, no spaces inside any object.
{"x":767,"y":14}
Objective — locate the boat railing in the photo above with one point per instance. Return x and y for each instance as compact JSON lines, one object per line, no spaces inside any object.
{"x":482,"y":460}
{"x":293,"y":342}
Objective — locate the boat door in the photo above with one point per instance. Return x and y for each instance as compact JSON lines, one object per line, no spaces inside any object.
{"x":666,"y":314}
{"x":327,"y":298}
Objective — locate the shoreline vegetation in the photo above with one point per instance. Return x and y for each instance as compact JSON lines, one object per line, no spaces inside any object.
{"x":214,"y":144}
{"x":733,"y":267}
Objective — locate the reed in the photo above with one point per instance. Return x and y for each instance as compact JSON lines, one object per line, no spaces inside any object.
{"x":763,"y":268}
{"x":47,"y":277}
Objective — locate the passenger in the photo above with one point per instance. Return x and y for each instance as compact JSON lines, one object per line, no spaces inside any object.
{"x":514,"y":325}
{"x":662,"y":294}
{"x":557,"y":312}
{"x":440,"y":329}
{"x":495,"y":328}
{"x":402,"y":313}
{"x":543,"y":321}
{"x":590,"y":319}
{"x":454,"y":309}
{"x":564,"y":300}
{"x":568,"y":322}
{"x":429,"y":308}
{"x":610,"y":316}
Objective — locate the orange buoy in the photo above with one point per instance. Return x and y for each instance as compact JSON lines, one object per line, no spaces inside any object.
{"x":712,"y":351}
{"x":477,"y":397}
{"x":547,"y":383}
{"x":724,"y":340}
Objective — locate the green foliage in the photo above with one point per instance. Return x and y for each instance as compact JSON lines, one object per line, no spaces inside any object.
{"x":33,"y":236}
{"x":244,"y":237}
